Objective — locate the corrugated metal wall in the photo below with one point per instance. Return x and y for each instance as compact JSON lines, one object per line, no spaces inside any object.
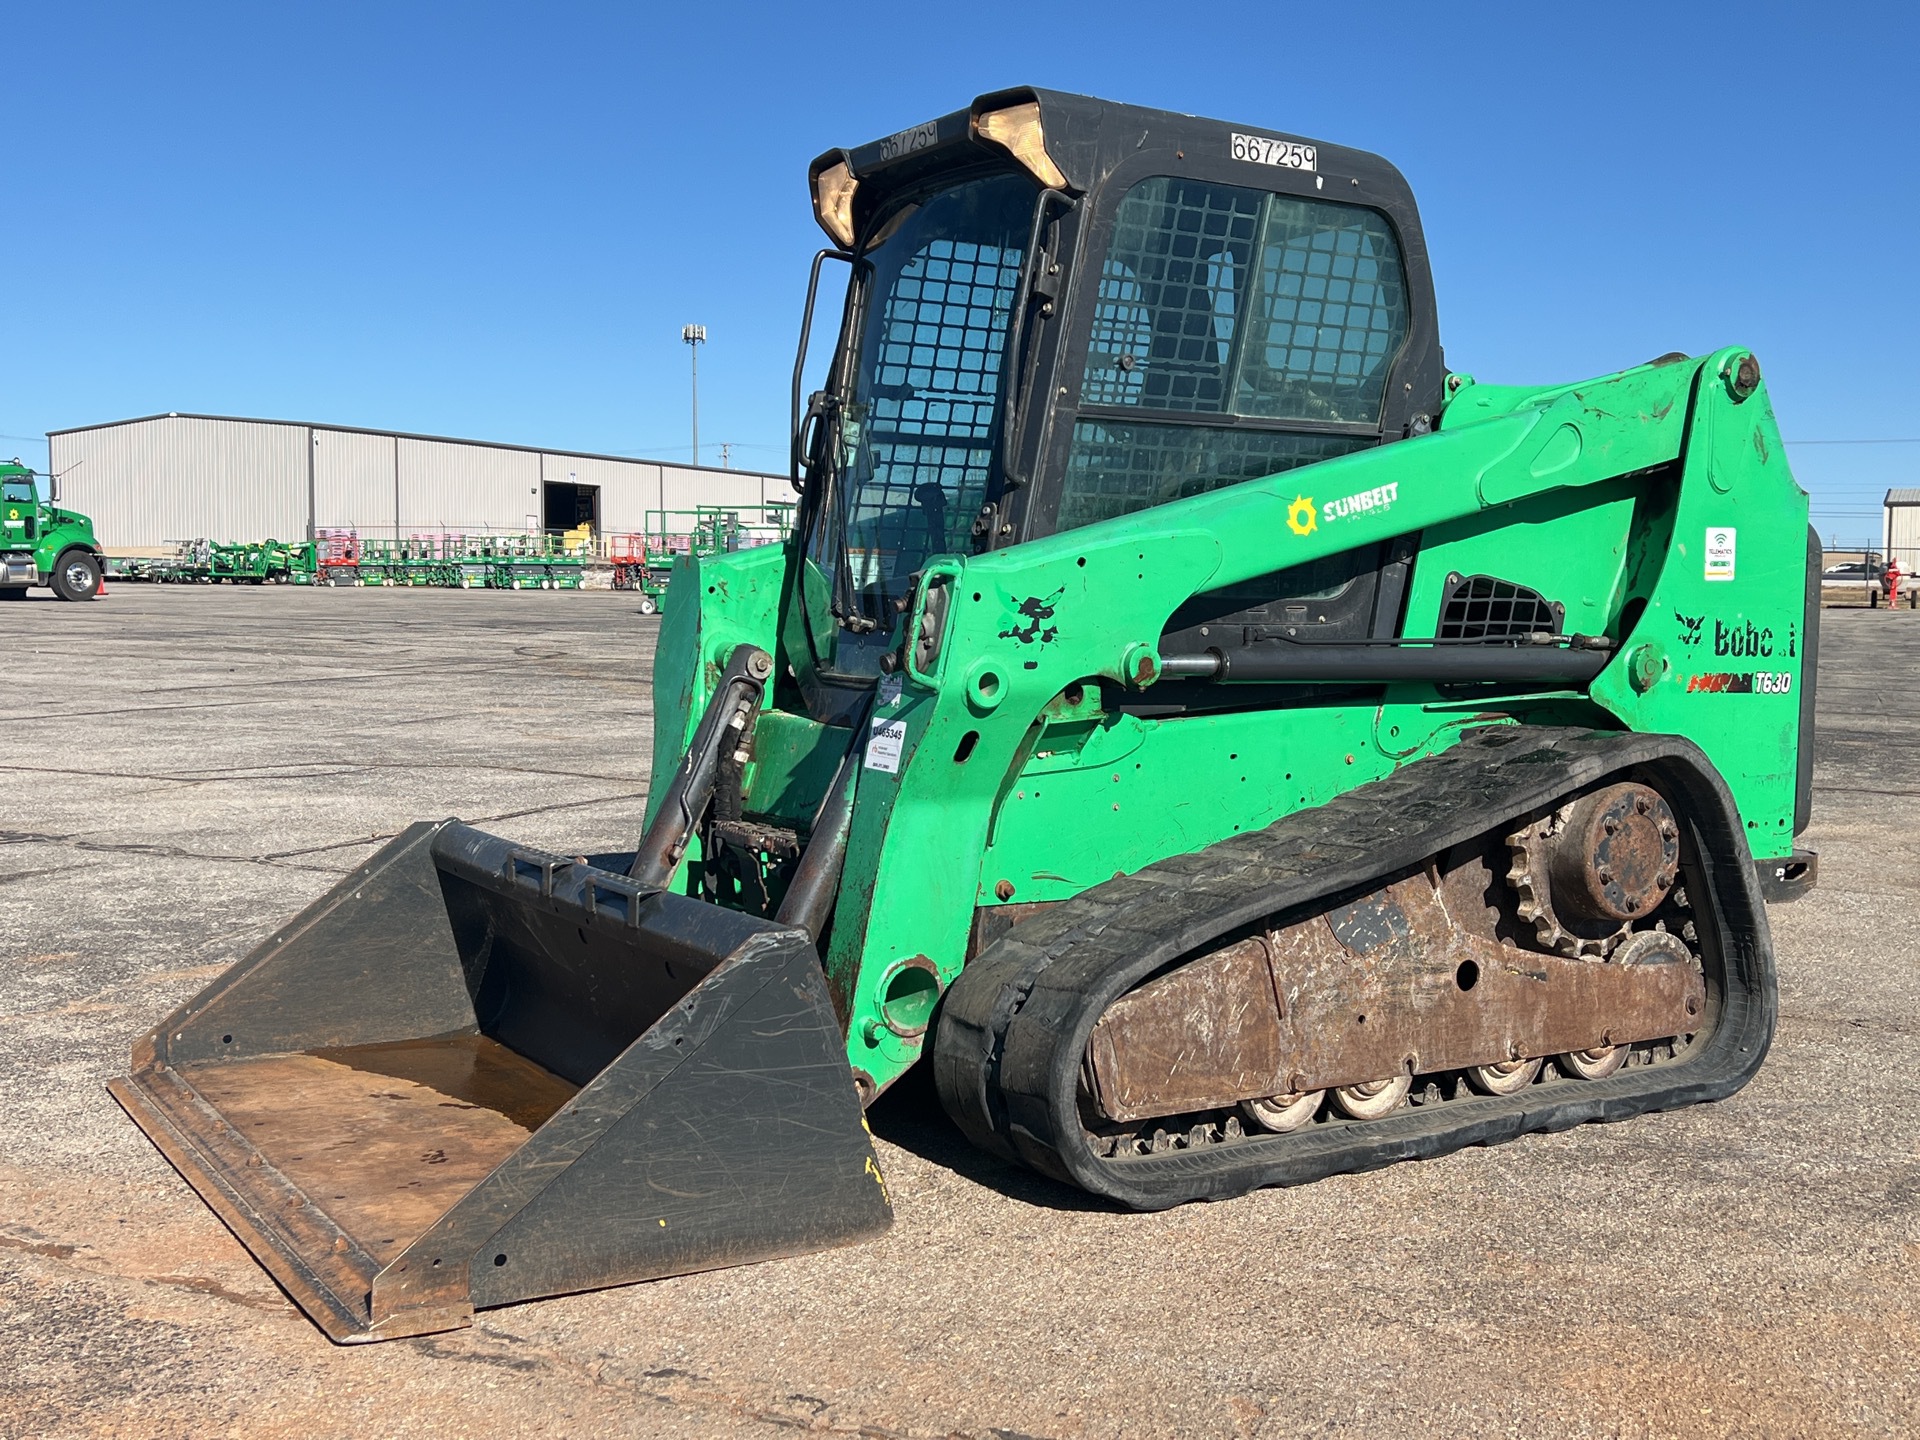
{"x":177,"y":477}
{"x":449,"y":486}
{"x":1903,"y":535}
{"x":687,"y":489}
{"x":355,"y":486}
{"x":151,"y":481}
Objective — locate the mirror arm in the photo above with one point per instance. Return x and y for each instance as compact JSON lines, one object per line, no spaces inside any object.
{"x":800,"y":360}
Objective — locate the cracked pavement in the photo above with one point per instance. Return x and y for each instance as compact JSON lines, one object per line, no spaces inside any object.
{"x":189,"y":766}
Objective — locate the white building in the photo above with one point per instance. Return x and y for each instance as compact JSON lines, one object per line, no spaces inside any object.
{"x":1903,"y":528}
{"x":160,"y":478}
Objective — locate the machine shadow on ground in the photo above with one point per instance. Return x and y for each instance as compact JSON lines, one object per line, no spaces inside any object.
{"x":910,"y":1115}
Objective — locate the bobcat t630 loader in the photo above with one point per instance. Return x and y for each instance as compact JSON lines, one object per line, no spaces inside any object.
{"x":1229,"y":746}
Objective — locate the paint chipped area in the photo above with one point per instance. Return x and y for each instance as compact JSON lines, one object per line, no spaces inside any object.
{"x":1035,"y":611}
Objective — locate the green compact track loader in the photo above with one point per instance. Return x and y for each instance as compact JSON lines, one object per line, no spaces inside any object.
{"x":1228,"y":745}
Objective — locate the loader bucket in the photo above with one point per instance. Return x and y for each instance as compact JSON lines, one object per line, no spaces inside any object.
{"x":475,"y":1074}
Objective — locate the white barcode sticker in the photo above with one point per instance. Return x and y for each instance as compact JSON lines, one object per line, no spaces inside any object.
{"x":1720,"y":552}
{"x":884,"y":743}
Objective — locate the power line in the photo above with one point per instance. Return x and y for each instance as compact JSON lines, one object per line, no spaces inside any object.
{"x":1895,"y":440}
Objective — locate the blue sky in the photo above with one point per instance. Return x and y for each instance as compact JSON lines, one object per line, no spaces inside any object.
{"x":492,"y":221}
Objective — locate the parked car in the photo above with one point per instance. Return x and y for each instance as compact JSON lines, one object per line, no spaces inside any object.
{"x":1854,"y":572}
{"x":1867,"y":572}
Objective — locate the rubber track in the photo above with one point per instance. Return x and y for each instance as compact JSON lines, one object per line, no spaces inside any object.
{"x":1014,"y":1026}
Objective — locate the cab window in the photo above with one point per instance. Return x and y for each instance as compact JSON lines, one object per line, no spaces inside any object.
{"x":1222,"y":301}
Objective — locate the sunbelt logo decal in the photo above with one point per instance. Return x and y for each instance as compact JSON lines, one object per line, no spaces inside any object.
{"x":1381,"y":497}
{"x":1304,"y":519}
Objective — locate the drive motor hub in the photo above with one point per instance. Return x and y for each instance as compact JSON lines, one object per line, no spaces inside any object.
{"x":1588,"y":871}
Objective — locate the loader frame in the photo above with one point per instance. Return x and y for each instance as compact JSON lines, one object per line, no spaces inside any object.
{"x":1030,"y":720}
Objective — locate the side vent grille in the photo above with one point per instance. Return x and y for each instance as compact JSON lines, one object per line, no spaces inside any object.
{"x":1481,"y":607}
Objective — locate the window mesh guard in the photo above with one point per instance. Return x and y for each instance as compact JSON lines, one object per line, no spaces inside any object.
{"x":930,"y":405}
{"x":1117,"y":468}
{"x":1488,"y":609}
{"x":1217,"y":299}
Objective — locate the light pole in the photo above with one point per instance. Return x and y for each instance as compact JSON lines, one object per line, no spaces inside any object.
{"x":695,"y":336}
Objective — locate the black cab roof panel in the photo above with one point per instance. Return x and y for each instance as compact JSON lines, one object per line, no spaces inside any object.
{"x":1088,"y":138}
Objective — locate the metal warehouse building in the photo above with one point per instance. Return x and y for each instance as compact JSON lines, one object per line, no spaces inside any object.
{"x":162,"y":478}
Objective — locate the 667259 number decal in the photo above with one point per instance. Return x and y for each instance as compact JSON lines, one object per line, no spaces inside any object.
{"x":1262,"y":151}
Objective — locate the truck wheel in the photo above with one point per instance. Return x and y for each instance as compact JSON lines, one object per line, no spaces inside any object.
{"x":76,"y":576}
{"x":647,"y":605}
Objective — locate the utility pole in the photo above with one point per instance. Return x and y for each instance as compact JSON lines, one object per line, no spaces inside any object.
{"x":726,"y":452}
{"x":695,"y":336}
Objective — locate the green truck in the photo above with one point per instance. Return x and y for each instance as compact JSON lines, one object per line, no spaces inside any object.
{"x":41,"y":544}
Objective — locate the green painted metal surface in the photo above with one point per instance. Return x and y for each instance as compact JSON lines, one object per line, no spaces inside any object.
{"x":33,"y":528}
{"x":1654,"y":505}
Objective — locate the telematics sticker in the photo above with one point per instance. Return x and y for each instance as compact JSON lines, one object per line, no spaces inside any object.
{"x":884,"y":743}
{"x":890,"y":689}
{"x":1288,"y":153}
{"x":1720,"y":552}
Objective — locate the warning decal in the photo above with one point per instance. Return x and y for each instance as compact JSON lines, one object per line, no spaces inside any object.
{"x":884,"y":743}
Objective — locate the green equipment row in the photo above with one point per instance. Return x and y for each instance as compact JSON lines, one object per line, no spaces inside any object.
{"x":527,"y":561}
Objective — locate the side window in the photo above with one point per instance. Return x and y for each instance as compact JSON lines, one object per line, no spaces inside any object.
{"x":921,"y":428}
{"x":1329,"y":312}
{"x":1216,"y":300}
{"x":1165,"y":319}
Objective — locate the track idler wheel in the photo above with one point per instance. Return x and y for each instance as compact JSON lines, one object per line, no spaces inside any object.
{"x":1373,"y":1099}
{"x":1283,"y":1114}
{"x":1595,"y":1064}
{"x":1509,"y":1077}
{"x":1648,"y":947}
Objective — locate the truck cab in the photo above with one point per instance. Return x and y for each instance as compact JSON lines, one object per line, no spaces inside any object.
{"x":41,"y":544}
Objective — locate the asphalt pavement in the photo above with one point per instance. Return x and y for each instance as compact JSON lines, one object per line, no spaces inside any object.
{"x":185,"y":767}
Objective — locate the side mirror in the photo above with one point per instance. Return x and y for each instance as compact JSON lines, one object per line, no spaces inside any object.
{"x":53,"y":489}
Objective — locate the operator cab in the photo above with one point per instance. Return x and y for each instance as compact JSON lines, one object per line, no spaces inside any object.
{"x":1062,"y":311}
{"x":19,"y":506}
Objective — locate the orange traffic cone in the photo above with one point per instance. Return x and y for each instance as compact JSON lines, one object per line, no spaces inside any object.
{"x":101,"y":593}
